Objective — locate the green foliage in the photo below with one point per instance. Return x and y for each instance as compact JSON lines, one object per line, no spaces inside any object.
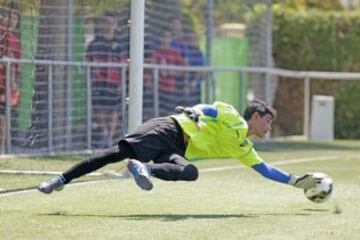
{"x":315,"y":40}
{"x":347,"y":110}
{"x":83,"y":6}
{"x":310,"y":4}
{"x":224,"y":11}
{"x":322,"y":41}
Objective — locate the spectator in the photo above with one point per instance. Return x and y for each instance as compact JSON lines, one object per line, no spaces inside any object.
{"x":9,"y":47}
{"x":189,"y":50}
{"x":106,"y":93}
{"x":165,"y":54}
{"x":179,"y":42}
{"x":194,"y":57}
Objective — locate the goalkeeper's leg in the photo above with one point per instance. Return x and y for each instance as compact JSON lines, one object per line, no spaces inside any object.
{"x":173,"y":167}
{"x":91,"y":164}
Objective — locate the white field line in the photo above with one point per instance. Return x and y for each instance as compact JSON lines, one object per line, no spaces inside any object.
{"x":35,"y":190}
{"x":280,"y":162}
{"x":32,"y":172}
{"x":214,"y":169}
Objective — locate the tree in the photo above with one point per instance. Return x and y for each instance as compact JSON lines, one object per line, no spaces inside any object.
{"x":309,"y":4}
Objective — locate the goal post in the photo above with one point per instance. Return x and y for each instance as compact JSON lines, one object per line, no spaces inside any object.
{"x":56,"y":112}
{"x":137,"y":19}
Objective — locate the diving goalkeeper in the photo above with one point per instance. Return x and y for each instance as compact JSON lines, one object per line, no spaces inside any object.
{"x":202,"y":131}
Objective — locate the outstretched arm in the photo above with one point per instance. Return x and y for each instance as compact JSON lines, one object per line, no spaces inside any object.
{"x":272,"y":172}
{"x":305,"y":182}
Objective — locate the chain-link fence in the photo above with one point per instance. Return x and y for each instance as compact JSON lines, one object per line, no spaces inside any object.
{"x":65,"y":66}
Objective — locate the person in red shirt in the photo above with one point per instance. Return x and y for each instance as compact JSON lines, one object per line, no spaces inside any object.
{"x":194,"y":57}
{"x":10,"y":48}
{"x":165,"y":54}
{"x":106,"y":92}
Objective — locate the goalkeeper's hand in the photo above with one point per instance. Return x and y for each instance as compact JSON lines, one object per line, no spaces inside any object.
{"x":305,"y":182}
{"x":191,"y":113}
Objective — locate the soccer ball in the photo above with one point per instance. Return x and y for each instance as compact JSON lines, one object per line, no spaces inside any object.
{"x":323,"y":189}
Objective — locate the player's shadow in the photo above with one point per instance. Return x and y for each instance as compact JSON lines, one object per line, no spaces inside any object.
{"x":162,"y":217}
{"x":173,"y":217}
{"x":316,"y":210}
{"x":178,"y":217}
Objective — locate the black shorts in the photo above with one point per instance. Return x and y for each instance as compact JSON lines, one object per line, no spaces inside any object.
{"x":156,"y":137}
{"x":105,"y":96}
{"x":2,"y":108}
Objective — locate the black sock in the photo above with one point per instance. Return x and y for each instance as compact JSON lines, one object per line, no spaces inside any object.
{"x":174,"y":172}
{"x":99,"y":160}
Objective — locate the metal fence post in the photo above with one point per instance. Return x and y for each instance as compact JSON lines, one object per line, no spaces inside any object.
{"x":306,"y":107}
{"x":89,"y":109}
{"x":70,"y":21}
{"x":50,"y":109}
{"x":242,"y":92}
{"x":269,"y":61}
{"x":124,"y":104}
{"x":7,"y":133}
{"x":156,"y":92}
{"x":210,"y":82}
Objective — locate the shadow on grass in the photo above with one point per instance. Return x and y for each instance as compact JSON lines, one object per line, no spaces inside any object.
{"x":316,"y":210}
{"x":305,"y":146}
{"x":174,"y":217}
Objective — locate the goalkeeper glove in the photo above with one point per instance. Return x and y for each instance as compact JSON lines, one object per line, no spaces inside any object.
{"x":191,"y":113}
{"x":305,"y":182}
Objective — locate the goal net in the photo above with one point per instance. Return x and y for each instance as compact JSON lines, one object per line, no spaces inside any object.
{"x":71,"y":66}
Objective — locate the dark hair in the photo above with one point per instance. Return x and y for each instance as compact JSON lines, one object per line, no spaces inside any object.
{"x":260,"y":107}
{"x":99,"y":26}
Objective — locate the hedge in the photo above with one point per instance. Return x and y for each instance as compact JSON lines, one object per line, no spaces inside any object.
{"x":319,"y":41}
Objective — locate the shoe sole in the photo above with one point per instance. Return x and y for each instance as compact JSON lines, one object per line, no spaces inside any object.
{"x":142,"y":181}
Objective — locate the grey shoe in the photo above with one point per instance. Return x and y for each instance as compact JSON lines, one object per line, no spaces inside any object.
{"x":55,"y":183}
{"x":141,"y":174}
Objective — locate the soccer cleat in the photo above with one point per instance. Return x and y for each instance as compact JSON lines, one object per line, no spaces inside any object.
{"x":141,"y":174}
{"x":55,"y":183}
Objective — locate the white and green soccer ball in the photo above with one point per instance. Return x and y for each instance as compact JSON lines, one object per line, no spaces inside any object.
{"x":323,"y":189}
